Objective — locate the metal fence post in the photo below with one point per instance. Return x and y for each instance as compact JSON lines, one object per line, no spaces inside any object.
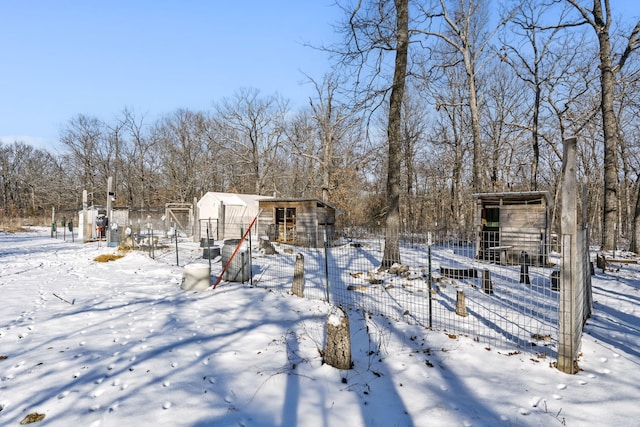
{"x":326,"y":263}
{"x":175,"y":236}
{"x":429,"y":241}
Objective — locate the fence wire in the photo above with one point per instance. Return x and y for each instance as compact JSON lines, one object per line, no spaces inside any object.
{"x":508,"y":300}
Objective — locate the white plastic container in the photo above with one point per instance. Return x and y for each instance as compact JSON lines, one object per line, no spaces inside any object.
{"x":196,"y":277}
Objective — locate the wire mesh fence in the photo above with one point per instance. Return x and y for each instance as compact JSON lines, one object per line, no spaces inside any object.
{"x":516,"y":296}
{"x":509,"y":299}
{"x":575,"y":304}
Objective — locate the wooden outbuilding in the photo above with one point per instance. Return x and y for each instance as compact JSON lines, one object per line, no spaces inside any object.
{"x":225,"y":215}
{"x":513,"y":225}
{"x":301,"y":222}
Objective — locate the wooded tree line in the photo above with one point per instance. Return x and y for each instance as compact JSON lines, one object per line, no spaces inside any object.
{"x":429,"y":102}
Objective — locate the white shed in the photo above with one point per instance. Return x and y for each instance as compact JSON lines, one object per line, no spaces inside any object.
{"x":226,"y":215}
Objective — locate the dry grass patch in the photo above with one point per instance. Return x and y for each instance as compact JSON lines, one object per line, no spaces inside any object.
{"x":107,"y":257}
{"x":13,"y":228}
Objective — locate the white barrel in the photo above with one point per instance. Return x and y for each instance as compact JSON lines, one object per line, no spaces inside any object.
{"x":196,"y":277}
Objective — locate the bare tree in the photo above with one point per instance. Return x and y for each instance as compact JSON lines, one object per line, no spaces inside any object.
{"x":628,"y":122}
{"x":538,"y":60}
{"x":334,"y":120}
{"x":84,"y":138}
{"x":141,"y":160}
{"x":463,"y":31}
{"x":183,"y":142}
{"x":32,"y":181}
{"x":599,"y":18}
{"x":302,"y":151}
{"x":252,"y":129}
{"x":505,"y":104}
{"x":414,"y":130}
{"x":320,"y":135}
{"x":450,"y":136}
{"x":375,"y":28}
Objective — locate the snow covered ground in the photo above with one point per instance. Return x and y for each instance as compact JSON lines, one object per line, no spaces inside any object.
{"x":86,"y":343}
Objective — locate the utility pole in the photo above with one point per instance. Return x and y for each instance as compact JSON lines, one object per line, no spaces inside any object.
{"x":109,"y":198}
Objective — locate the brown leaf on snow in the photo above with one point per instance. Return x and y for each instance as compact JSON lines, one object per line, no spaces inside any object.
{"x":32,"y":418}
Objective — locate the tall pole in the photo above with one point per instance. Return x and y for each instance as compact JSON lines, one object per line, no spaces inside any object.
{"x":109,"y":197}
{"x":53,"y":220}
{"x":196,"y":221}
{"x":86,"y":231}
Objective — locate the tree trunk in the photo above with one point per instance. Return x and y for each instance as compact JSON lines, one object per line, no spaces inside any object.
{"x":394,"y":133}
{"x":610,"y":205}
{"x":478,"y":182}
{"x":635,"y":225}
{"x":535,"y":143}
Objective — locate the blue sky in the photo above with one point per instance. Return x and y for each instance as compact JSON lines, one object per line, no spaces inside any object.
{"x":69,"y":57}
{"x":61,"y":58}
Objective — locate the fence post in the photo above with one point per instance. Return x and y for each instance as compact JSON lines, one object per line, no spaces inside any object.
{"x":298,"y":276}
{"x":524,"y":268}
{"x":568,"y":342}
{"x":175,"y":236}
{"x":461,"y":304}
{"x":196,"y":221}
{"x":326,"y":263}
{"x":487,"y":284}
{"x":429,"y":241}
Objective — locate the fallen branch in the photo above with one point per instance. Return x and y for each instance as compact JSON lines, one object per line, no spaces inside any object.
{"x":62,"y":299}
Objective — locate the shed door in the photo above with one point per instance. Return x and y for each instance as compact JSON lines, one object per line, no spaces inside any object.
{"x":490,"y":232}
{"x":285,"y":224}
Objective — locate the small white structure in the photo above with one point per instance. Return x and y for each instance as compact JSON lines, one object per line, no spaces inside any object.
{"x":119,"y":219}
{"x":87,"y":226}
{"x":227,"y":215}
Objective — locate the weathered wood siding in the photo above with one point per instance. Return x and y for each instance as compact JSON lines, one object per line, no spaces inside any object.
{"x":524,"y":226}
{"x":306,"y":228}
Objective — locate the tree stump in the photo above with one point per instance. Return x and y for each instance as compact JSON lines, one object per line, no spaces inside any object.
{"x":461,"y":304}
{"x":337,"y":349}
{"x":298,"y":276}
{"x":267,"y":247}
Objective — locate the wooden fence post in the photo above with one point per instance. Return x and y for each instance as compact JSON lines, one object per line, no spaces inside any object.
{"x":298,"y":276}
{"x":487,"y":284}
{"x":567,"y":323}
{"x":461,"y":304}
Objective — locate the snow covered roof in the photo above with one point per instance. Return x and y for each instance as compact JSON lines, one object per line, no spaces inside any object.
{"x":231,"y":198}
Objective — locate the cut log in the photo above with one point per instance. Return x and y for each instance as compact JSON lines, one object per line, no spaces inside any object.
{"x":337,"y":349}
